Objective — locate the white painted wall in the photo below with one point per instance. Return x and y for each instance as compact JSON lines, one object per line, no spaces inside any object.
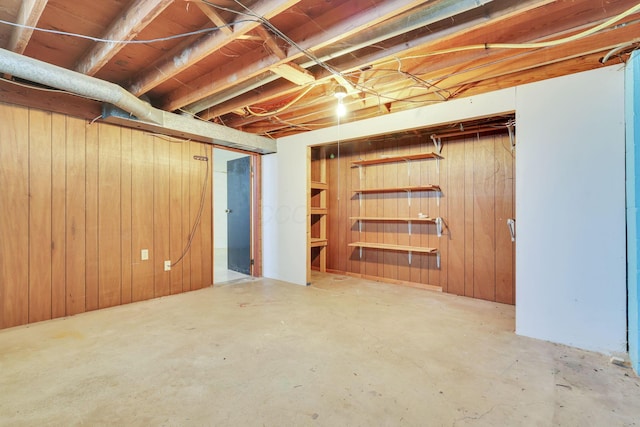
{"x":570,"y":253}
{"x":570,"y":211}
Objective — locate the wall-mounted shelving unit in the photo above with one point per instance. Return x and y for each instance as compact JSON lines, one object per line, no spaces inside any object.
{"x":317,"y":212}
{"x":409,"y":190}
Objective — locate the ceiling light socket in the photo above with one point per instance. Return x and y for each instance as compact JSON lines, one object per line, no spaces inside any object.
{"x":339,"y":92}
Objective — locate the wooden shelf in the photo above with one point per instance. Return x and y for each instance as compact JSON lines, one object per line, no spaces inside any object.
{"x":316,"y":185}
{"x":401,"y":248}
{"x":398,"y":189}
{"x":388,"y":219}
{"x":318,"y":211}
{"x":317,"y":242}
{"x":396,"y":159}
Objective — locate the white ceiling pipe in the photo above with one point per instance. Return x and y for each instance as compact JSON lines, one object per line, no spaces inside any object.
{"x":71,"y":81}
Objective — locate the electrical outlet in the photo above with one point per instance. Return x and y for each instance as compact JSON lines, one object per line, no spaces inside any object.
{"x":167,"y":266}
{"x":144,"y":254}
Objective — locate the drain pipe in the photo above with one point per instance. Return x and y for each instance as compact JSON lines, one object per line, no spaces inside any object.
{"x":71,"y":81}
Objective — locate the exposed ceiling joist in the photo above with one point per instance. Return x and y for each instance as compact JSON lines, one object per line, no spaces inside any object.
{"x":204,"y":46}
{"x":214,"y":16}
{"x":360,"y":26}
{"x":125,"y":27}
{"x":28,"y":16}
{"x":290,"y":71}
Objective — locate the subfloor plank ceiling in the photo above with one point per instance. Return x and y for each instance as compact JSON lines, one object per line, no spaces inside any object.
{"x":272,"y":67}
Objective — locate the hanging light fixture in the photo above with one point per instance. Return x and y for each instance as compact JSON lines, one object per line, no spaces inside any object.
{"x":340,"y":92}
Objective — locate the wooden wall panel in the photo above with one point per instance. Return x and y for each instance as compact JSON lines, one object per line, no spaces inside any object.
{"x":476,"y":175}
{"x":484,"y":259}
{"x":14,"y":216}
{"x":58,"y":215}
{"x":505,"y":202}
{"x":91,"y":212}
{"x":80,"y":202}
{"x":469,"y":223}
{"x":39,"y":216}
{"x":161,"y":216}
{"x":75,"y":216}
{"x":442,"y":170}
{"x":109,"y":217}
{"x":197,"y":173}
{"x":142,"y":216}
{"x":126,"y":216}
{"x":206,"y":223}
{"x":455,"y":218}
{"x":175,"y":216}
{"x":186,"y":215}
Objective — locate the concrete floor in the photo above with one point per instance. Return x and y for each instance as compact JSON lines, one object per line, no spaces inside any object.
{"x":343,"y":352}
{"x":221,"y":274}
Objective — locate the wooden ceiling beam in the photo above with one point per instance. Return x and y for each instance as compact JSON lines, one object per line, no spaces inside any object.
{"x":173,"y":64}
{"x":28,"y":16}
{"x":335,"y":30}
{"x":290,"y":71}
{"x":214,"y":17}
{"x":125,"y":27}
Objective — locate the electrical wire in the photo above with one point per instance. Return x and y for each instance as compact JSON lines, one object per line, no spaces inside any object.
{"x":284,"y":107}
{"x":196,"y":222}
{"x":534,"y":45}
{"x":146,"y":41}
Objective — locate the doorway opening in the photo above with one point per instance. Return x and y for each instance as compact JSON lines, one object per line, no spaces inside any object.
{"x":234,"y":215}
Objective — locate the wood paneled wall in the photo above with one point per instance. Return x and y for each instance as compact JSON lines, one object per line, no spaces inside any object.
{"x":477,"y":181}
{"x":80,"y":201}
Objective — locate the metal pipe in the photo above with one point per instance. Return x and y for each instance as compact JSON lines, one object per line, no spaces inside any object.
{"x":71,"y":81}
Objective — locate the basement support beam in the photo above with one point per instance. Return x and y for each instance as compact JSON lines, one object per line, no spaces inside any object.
{"x":125,"y":27}
{"x":29,"y":15}
{"x":214,"y":17}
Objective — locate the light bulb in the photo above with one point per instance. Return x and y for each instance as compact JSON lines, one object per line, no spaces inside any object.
{"x":341,"y":110}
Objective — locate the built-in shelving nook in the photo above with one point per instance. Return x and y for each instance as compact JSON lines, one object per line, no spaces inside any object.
{"x":429,"y":208}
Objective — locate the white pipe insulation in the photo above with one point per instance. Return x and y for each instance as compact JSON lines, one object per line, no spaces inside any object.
{"x":60,"y":78}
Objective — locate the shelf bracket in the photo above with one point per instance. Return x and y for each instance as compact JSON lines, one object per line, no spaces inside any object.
{"x":409,"y":257}
{"x":360,"y":199}
{"x":437,"y":142}
{"x":360,"y":252}
{"x":438,"y":193}
{"x":439,"y":226}
{"x":409,"y":227}
{"x":360,"y":173}
{"x":438,"y":259}
{"x":511,"y":137}
{"x":511,"y":223}
{"x":359,"y":226}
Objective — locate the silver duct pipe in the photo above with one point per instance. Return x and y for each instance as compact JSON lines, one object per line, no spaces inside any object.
{"x":146,"y":116}
{"x":60,"y":78}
